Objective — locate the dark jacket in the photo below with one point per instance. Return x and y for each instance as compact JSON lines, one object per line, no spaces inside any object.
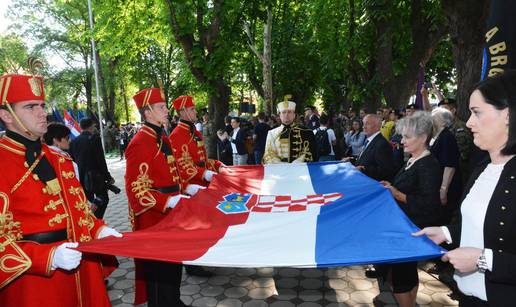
{"x":86,"y":151}
{"x":260,"y":130}
{"x":499,"y":235}
{"x":446,"y":151}
{"x":238,"y":140}
{"x":377,"y":159}
{"x":421,"y":183}
{"x":313,"y":122}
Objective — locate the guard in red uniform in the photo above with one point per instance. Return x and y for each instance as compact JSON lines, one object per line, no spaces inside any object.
{"x":189,"y":150}
{"x":154,"y":187}
{"x":190,"y":153}
{"x":44,"y":212}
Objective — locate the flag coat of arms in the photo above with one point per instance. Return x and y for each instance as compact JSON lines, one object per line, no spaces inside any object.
{"x":304,"y":215}
{"x":72,"y":125}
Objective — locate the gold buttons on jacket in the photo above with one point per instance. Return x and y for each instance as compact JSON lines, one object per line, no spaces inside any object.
{"x":502,"y":223}
{"x":506,"y":191}
{"x":501,"y":239}
{"x":68,"y":175}
{"x":512,"y":177}
{"x":84,"y":238}
{"x":503,"y":207}
{"x":500,"y":251}
{"x":35,"y":176}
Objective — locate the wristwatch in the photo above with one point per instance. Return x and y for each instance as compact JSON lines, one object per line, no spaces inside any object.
{"x":482,"y":262}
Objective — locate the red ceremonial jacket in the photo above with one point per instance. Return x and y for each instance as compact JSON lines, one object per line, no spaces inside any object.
{"x":148,"y":170}
{"x":28,"y":207}
{"x":190,"y":154}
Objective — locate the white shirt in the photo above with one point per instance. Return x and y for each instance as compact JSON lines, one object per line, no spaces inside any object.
{"x":75,"y":167}
{"x":369,"y":139}
{"x":473,"y":210}
{"x":199,"y":126}
{"x":331,"y":137}
{"x":233,"y":136}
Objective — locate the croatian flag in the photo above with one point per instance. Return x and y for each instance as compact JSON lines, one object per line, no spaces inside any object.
{"x":72,"y":125}
{"x":303,"y":215}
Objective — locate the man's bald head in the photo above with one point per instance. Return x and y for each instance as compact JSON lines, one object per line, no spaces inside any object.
{"x":372,"y":124}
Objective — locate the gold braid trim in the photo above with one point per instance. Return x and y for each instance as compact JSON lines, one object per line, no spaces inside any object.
{"x":186,"y":162}
{"x":27,"y":173}
{"x":141,"y":188}
{"x":8,"y":227}
{"x":9,"y":233}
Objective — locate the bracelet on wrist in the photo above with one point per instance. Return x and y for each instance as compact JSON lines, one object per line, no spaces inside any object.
{"x":482,"y":262}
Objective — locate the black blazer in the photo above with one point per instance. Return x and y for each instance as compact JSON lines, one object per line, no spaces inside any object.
{"x":86,"y":151}
{"x":499,"y":235}
{"x":378,"y":160}
{"x":421,"y":183}
{"x":238,"y":140}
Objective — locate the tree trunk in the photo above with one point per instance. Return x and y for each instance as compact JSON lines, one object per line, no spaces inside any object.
{"x":204,"y":47}
{"x":265,"y":58}
{"x":103,"y":88}
{"x":397,"y":89}
{"x":110,"y":104}
{"x":126,"y":104}
{"x":218,"y":103}
{"x":467,"y":40}
{"x":267,"y":64}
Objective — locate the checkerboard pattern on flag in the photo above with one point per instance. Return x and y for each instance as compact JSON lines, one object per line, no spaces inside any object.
{"x":319,"y":214}
{"x":72,"y":125}
{"x":285,"y":203}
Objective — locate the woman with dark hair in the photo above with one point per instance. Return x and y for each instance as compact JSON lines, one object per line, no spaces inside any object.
{"x":355,"y":139}
{"x":485,"y":260}
{"x":58,"y":138}
{"x":416,"y":190}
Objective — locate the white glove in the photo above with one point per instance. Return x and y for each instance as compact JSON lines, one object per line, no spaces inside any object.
{"x":192,"y":189}
{"x":208,"y":175}
{"x":65,"y":258}
{"x":172,"y":201}
{"x":108,"y":231}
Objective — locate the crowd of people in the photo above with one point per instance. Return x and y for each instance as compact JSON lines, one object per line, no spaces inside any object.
{"x":440,"y":171}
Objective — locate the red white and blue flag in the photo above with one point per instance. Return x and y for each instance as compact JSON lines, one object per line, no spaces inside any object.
{"x":304,"y":215}
{"x":72,"y":125}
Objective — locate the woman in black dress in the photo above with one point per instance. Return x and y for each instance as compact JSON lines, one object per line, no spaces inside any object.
{"x":416,"y":190}
{"x":485,"y":234}
{"x":445,"y":149}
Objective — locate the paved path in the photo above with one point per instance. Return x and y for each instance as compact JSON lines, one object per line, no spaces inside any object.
{"x":229,"y":287}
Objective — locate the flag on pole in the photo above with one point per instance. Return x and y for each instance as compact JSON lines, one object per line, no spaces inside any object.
{"x":57,"y":116}
{"x":80,"y":115}
{"x":500,"y":39}
{"x":72,"y":125}
{"x":303,"y":215}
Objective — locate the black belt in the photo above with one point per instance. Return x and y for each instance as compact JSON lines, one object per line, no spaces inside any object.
{"x":166,"y":190}
{"x":47,"y":237}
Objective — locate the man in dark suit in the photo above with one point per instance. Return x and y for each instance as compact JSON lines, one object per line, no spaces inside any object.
{"x":87,"y":152}
{"x":376,"y":160}
{"x":311,"y":118}
{"x":237,"y":140}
